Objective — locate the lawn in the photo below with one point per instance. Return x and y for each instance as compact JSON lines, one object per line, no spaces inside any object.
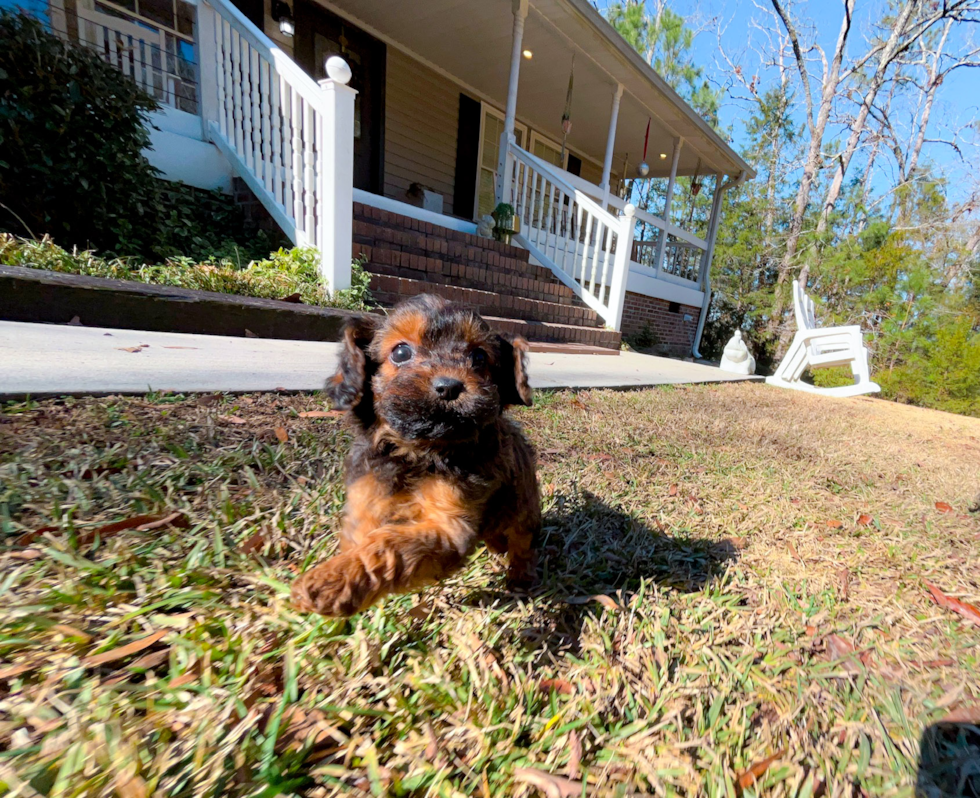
{"x":733,"y":599}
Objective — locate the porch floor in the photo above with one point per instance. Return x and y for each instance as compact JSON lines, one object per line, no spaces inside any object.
{"x":47,"y":359}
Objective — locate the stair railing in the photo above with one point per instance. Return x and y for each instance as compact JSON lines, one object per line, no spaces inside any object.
{"x":586,"y":246}
{"x":290,"y":139}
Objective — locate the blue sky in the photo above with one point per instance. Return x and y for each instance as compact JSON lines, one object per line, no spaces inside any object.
{"x":744,"y":25}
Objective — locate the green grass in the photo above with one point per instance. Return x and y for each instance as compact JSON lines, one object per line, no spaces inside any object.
{"x":698,"y":517}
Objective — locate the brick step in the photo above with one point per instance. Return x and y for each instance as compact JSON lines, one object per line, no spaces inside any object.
{"x":557,"y":333}
{"x":480,"y":278}
{"x":388,"y":290}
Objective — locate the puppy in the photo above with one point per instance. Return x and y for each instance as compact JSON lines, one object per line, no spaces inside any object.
{"x":436,"y":466}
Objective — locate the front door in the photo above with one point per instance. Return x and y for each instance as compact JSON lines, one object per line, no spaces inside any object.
{"x":319,"y":35}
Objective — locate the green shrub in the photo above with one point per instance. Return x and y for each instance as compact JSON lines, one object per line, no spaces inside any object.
{"x":282,"y":274}
{"x":73,"y":129}
{"x":72,"y":134}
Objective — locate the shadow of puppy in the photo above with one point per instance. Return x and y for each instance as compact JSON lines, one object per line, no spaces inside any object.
{"x":589,"y":548}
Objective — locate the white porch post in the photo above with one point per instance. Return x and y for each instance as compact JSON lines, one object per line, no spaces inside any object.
{"x":621,"y":266}
{"x":335,"y":182}
{"x":668,"y":201}
{"x":207,"y":58}
{"x":610,"y":145}
{"x":510,"y":116}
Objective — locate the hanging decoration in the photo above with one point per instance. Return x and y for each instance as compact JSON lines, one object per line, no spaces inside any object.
{"x":696,"y":181}
{"x":566,"y":118}
{"x":643,"y":168}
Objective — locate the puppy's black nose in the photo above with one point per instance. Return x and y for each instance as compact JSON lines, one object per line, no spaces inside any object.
{"x":447,"y":388}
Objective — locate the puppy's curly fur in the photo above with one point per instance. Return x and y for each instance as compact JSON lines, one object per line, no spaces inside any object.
{"x":435,"y":467}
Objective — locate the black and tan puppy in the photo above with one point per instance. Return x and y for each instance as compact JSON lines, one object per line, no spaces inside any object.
{"x":435,"y":467}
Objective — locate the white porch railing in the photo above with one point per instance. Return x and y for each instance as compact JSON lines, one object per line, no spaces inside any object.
{"x":587,"y":247}
{"x":290,"y":139}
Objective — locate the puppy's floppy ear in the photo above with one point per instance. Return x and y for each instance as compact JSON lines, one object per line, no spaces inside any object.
{"x":512,"y":372}
{"x":352,"y":382}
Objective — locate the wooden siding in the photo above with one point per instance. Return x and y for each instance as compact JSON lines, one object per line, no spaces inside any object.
{"x":421,"y":120}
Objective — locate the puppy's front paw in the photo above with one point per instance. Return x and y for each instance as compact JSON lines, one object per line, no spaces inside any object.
{"x":330,"y":588}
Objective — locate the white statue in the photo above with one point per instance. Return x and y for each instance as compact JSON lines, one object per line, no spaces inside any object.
{"x":484,"y":227}
{"x":737,"y":357}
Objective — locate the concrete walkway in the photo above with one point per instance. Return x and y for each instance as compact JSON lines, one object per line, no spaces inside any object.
{"x":45,"y":360}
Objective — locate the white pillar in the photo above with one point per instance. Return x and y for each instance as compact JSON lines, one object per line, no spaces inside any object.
{"x":668,"y":201}
{"x":335,"y":182}
{"x":510,"y":115}
{"x":207,"y":60}
{"x":621,"y":266}
{"x":610,"y":144}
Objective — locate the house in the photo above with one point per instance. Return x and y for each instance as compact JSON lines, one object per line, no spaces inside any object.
{"x":387,"y":129}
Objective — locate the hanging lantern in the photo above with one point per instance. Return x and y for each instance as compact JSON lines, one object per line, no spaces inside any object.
{"x":643,"y":168}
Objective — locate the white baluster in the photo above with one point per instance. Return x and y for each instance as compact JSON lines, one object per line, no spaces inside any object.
{"x":224,"y":79}
{"x":267,"y":165}
{"x":309,"y":171}
{"x":256,"y":103}
{"x":279,"y":189}
{"x":236,"y":83}
{"x":248,"y":151}
{"x":296,"y":155}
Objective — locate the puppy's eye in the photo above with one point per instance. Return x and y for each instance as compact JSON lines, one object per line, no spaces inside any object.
{"x":401,"y":354}
{"x":479,"y":358}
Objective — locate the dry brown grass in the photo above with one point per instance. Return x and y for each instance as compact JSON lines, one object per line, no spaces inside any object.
{"x":740,"y":540}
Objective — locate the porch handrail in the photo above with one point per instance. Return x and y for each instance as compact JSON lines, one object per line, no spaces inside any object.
{"x":290,"y":139}
{"x":596,"y":193}
{"x":584,"y":245}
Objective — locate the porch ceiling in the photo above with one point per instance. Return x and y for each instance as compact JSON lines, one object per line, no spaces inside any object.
{"x":471,"y":41}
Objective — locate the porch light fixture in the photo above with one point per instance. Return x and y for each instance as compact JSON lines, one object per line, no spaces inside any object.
{"x":528,"y":54}
{"x":663,"y":156}
{"x":283,"y":14}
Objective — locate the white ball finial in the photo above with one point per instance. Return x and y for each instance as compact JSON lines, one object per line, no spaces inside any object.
{"x":338,"y":69}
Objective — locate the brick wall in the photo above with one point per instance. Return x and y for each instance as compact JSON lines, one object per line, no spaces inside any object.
{"x":674,"y":335}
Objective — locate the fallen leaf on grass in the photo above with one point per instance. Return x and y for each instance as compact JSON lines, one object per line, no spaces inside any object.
{"x":672,"y":490}
{"x":562,"y":686}
{"x":232,"y":419}
{"x":151,"y":660}
{"x":26,"y":554}
{"x":943,"y":507}
{"x":552,"y":786}
{"x":574,"y":754}
{"x":307,"y":727}
{"x":749,"y":777}
{"x":281,"y":434}
{"x":865,"y":520}
{"x":602,"y":457}
{"x":254,"y":544}
{"x":183,"y":679}
{"x":71,"y":631}
{"x":420,"y":611}
{"x":968,"y":611}
{"x":141,"y":523}
{"x":29,"y":537}
{"x":14,"y":670}
{"x":208,"y":399}
{"x":835,"y":524}
{"x":296,"y":298}
{"x":321,"y":413}
{"x":968,"y":714}
{"x":130,"y":786}
{"x":124,"y":651}
{"x":606,"y":601}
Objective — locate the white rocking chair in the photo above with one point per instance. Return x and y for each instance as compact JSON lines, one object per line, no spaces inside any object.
{"x":822,"y":347}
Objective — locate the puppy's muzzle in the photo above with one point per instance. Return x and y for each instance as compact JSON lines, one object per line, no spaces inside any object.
{"x":447,"y":388}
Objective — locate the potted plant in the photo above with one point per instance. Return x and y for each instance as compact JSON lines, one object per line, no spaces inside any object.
{"x":504,"y":222}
